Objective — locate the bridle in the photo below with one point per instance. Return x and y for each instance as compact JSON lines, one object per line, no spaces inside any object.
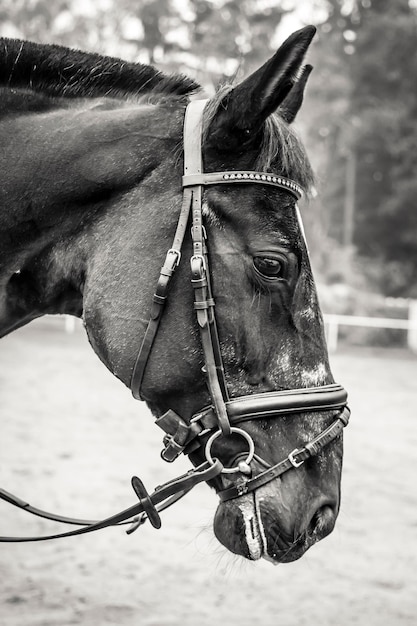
{"x":222,"y":417}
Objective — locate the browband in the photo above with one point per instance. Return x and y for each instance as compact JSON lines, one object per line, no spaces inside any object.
{"x":216,"y":178}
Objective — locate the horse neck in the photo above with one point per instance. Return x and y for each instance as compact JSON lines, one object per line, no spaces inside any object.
{"x":65,"y":167}
{"x":43,"y":274}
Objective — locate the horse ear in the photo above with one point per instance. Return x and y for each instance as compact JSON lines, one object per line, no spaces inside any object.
{"x":292,"y":103}
{"x":245,"y":108}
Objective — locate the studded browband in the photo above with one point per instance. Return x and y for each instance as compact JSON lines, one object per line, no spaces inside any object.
{"x":218,"y":178}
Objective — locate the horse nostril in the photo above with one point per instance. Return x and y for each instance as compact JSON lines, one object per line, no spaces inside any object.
{"x":322,"y":522}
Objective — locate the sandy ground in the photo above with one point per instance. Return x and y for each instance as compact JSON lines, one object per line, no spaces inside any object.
{"x":72,"y":436}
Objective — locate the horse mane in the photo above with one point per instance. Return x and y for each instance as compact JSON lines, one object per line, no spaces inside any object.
{"x":58,"y":71}
{"x":280,"y":146}
{"x":63,"y":72}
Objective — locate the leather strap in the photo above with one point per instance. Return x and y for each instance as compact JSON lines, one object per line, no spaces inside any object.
{"x":174,"y":253}
{"x":294,"y":459}
{"x":160,"y":297}
{"x":164,"y":496}
{"x":203,"y":300}
{"x":183,"y":437}
{"x":289,"y":401}
{"x":232,"y":176}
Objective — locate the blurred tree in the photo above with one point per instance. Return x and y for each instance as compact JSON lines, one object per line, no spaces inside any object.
{"x":210,"y":38}
{"x":234,"y":36}
{"x":361,"y":109}
{"x":365,"y":102}
{"x":385,"y":100}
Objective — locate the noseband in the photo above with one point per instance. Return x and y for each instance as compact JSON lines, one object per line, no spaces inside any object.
{"x":222,"y":417}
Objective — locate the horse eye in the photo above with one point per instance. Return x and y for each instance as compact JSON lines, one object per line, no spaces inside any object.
{"x":268,"y":267}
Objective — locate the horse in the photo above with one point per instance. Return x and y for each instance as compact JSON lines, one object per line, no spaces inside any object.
{"x":112,"y":169}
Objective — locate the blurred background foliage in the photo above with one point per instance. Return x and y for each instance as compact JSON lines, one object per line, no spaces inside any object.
{"x":359,"y":121}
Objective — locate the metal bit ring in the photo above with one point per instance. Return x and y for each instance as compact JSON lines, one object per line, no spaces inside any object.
{"x":237,"y":431}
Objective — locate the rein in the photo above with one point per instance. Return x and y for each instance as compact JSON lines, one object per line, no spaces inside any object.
{"x":221,"y":417}
{"x":148,"y":507}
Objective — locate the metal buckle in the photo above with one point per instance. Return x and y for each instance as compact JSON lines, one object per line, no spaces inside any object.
{"x":292,"y":460}
{"x":177,"y":259}
{"x":203,"y":230}
{"x":172,"y":449}
{"x":195,"y":269}
{"x":195,"y":420}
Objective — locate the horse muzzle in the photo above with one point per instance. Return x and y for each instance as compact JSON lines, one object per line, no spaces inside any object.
{"x":277,"y":521}
{"x":276,"y":511}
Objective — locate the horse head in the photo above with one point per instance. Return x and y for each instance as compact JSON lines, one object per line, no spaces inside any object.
{"x":108,"y":177}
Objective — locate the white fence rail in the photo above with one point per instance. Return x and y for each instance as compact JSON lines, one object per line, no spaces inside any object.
{"x":333,"y":322}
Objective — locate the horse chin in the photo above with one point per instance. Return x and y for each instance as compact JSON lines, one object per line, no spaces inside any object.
{"x":237,"y":527}
{"x":252,"y":527}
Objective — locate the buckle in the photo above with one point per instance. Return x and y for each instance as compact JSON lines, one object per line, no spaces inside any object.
{"x":171,"y":262}
{"x":292,"y":458}
{"x":198,"y":266}
{"x":177,"y":257}
{"x":172,"y":449}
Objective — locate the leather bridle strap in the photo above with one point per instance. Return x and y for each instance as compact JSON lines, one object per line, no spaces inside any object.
{"x":186,"y":437}
{"x":148,"y":507}
{"x":159,"y":299}
{"x":203,"y":300}
{"x":242,"y":176}
{"x":294,"y":459}
{"x":271,"y":404}
{"x":204,"y":303}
